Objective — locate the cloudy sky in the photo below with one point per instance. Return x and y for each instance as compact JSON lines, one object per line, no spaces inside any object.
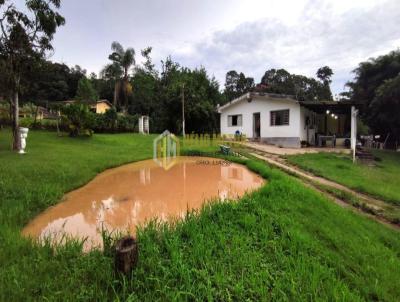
{"x":246,"y":35}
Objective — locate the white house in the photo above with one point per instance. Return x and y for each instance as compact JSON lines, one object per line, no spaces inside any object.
{"x":284,"y":121}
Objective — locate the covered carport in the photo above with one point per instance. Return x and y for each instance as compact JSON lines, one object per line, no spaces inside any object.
{"x":343,"y":114}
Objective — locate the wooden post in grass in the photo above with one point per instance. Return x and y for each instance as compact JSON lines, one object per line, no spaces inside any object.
{"x":126,"y":255}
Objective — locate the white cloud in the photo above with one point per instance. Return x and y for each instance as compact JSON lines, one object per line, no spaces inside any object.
{"x":324,"y":34}
{"x":250,"y":36}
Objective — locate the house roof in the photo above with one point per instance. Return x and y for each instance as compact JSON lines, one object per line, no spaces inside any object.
{"x":105,"y":101}
{"x":316,"y":106}
{"x":250,"y":95}
{"x":74,"y":101}
{"x":67,"y":102}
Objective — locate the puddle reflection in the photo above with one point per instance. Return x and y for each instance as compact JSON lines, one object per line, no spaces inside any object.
{"x":127,"y":196}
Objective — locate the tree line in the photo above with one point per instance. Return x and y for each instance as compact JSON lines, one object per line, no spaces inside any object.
{"x":282,"y":82}
{"x":376,"y":86}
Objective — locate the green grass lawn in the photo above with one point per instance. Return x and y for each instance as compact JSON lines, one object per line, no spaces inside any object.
{"x":283,"y":242}
{"x":382,"y":181}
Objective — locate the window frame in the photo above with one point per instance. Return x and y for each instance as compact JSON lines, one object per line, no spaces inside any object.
{"x":283,"y":121}
{"x":230,"y":120}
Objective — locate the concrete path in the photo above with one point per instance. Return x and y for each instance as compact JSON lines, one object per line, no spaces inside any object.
{"x":292,"y":151}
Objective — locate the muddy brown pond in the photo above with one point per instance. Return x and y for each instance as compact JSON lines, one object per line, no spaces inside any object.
{"x":122,"y":198}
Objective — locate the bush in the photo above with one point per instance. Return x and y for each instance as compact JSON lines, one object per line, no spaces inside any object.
{"x":5,"y":114}
{"x":111,"y":122}
{"x":107,"y":122}
{"x":126,"y":123}
{"x":78,"y":119}
{"x":26,"y":122}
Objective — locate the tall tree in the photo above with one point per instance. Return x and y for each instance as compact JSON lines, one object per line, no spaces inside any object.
{"x":278,"y":81}
{"x":86,"y":92}
{"x":237,"y":84}
{"x":231,"y":79}
{"x":75,"y":74}
{"x":384,"y":109}
{"x":374,"y":86}
{"x":113,"y":73}
{"x":148,"y":64}
{"x":146,"y":82}
{"x":123,"y":59}
{"x":302,"y":87}
{"x":201,"y":98}
{"x":26,"y":36}
{"x":325,"y":74}
{"x":369,"y":75}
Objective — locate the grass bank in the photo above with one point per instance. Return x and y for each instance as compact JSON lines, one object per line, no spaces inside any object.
{"x":381,"y":181}
{"x":283,"y":242}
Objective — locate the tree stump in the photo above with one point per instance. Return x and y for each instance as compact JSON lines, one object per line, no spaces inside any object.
{"x":126,"y":255}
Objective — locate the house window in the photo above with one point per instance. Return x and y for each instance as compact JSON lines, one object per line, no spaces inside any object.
{"x":234,"y":120}
{"x":280,"y":117}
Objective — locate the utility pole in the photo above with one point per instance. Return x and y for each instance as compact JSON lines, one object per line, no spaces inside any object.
{"x":183,"y":109}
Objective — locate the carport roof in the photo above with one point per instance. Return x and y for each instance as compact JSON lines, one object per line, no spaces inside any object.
{"x":333,"y":106}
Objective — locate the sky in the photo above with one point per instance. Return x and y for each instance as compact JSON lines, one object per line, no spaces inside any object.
{"x":249,"y":36}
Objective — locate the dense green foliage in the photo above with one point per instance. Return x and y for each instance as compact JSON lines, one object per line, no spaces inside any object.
{"x":237,"y":84}
{"x":381,"y":181}
{"x":49,"y":82}
{"x":79,"y":119}
{"x":384,"y":109}
{"x":149,"y":91}
{"x":159,"y":95}
{"x":85,"y":91}
{"x":302,"y":87}
{"x":284,"y":242}
{"x":282,"y":82}
{"x":113,"y":122}
{"x":376,"y":86}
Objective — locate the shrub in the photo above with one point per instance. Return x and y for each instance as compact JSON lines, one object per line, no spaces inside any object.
{"x":78,"y":119}
{"x":113,"y":122}
{"x":5,"y":114}
{"x":106,"y":122}
{"x":26,"y":122}
{"x":127,"y":123}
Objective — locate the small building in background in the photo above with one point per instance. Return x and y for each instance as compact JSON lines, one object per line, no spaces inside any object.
{"x":100,"y":107}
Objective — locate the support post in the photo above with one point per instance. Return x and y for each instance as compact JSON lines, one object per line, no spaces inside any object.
{"x":183,"y":110}
{"x":353,"y":137}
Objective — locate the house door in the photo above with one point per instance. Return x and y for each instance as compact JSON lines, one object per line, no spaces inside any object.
{"x":256,"y":125}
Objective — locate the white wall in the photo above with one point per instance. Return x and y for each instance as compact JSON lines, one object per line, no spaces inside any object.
{"x":263,"y":106}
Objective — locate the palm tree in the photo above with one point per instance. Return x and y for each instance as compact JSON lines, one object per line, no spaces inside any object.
{"x":122,"y":60}
{"x":113,"y":72}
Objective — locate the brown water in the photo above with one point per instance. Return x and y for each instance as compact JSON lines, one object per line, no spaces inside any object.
{"x":127,"y":196}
